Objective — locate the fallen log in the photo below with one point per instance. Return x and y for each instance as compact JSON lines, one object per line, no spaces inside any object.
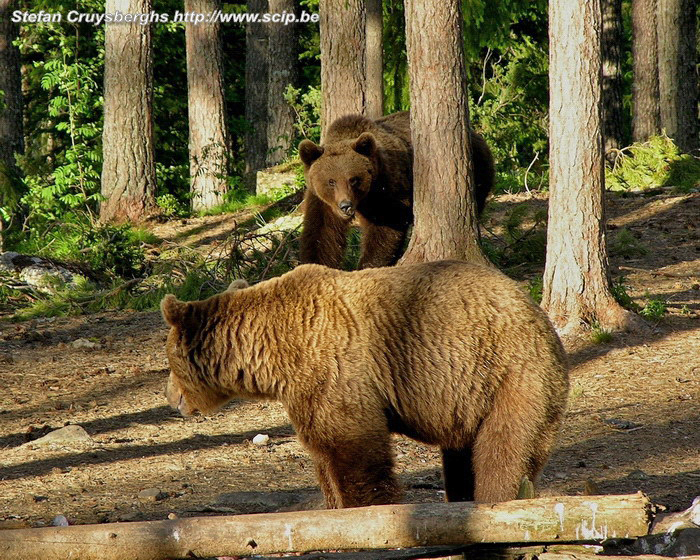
{"x":580,"y":518}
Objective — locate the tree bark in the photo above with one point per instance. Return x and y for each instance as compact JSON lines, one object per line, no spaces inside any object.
{"x":646,"y":116}
{"x":256,"y":80}
{"x":128,"y":170}
{"x":209,"y":141}
{"x":576,"y":278}
{"x":343,"y":72}
{"x":445,"y":225}
{"x":678,"y":84}
{"x":374,"y":60}
{"x":613,"y":132}
{"x":282,"y":67}
{"x":568,"y":518}
{"x":11,"y":130}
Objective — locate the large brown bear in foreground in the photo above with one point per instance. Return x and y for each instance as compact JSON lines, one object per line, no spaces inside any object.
{"x":447,"y":353}
{"x":364,"y":171}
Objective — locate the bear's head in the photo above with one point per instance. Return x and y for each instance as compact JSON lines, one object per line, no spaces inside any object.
{"x":341,"y":174}
{"x":194,"y":355}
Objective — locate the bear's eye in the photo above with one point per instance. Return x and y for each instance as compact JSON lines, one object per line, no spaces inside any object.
{"x":331,"y":183}
{"x":355,"y":181}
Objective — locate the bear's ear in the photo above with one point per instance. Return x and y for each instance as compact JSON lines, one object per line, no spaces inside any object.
{"x":309,"y":152}
{"x":365,"y":144}
{"x":238,"y":284}
{"x":174,"y":311}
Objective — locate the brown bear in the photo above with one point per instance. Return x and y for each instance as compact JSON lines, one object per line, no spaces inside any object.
{"x":364,"y":171}
{"x":448,"y":353}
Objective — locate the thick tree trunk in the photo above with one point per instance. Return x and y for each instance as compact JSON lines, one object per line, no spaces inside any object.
{"x":209,"y":142}
{"x":282,"y":68}
{"x":128,"y":170}
{"x":343,"y":80}
{"x":613,"y":132}
{"x":576,"y":277}
{"x":11,"y":129}
{"x":11,"y":135}
{"x":567,"y":518}
{"x":678,"y":84}
{"x":374,"y":60}
{"x":445,"y":225}
{"x":646,"y":117}
{"x":256,"y":79}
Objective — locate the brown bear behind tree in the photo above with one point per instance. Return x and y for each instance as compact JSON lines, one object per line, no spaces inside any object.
{"x":364,"y":173}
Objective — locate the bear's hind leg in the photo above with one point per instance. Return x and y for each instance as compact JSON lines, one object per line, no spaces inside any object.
{"x":512,"y":442}
{"x":458,"y":474}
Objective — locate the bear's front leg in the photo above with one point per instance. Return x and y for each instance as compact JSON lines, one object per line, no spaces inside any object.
{"x":324,"y":236}
{"x":381,"y":245}
{"x":357,"y":473}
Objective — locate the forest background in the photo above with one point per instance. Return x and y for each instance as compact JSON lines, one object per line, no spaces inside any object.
{"x":50,"y":196}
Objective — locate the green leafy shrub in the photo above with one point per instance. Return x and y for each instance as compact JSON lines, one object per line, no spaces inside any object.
{"x":652,"y":164}
{"x":619,"y":292}
{"x":534,"y":288}
{"x":655,"y":309}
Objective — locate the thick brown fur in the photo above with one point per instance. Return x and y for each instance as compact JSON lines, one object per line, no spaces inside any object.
{"x":365,"y":171}
{"x":448,"y":353}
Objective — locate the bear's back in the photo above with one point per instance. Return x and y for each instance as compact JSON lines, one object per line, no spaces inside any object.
{"x":448,"y":334}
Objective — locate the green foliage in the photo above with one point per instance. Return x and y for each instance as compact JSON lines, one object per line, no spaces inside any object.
{"x":652,"y":164}
{"x":492,"y":23}
{"x":510,"y":111}
{"x":238,"y":199}
{"x":63,"y":162}
{"x":171,"y":206}
{"x":106,"y":249}
{"x":624,"y":244}
{"x":619,"y":292}
{"x":534,"y":288}
{"x":307,"y":111}
{"x":655,"y":309}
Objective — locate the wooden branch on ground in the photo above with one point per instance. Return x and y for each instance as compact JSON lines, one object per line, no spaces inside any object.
{"x":569,"y":518}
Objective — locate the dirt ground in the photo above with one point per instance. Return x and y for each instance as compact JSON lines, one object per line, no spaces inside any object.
{"x":633,"y":421}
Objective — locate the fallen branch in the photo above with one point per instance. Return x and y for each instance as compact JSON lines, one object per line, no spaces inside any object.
{"x":580,"y":518}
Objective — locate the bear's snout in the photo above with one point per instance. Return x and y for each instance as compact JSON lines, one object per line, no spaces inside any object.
{"x":346,"y":208}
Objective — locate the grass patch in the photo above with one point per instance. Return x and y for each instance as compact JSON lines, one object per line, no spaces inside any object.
{"x":599,"y":335}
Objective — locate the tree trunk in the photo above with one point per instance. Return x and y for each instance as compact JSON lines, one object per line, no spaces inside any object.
{"x":256,"y":80}
{"x":343,"y":80}
{"x":282,"y":68}
{"x":374,"y":60}
{"x":11,"y":129}
{"x":566,"y":518}
{"x":678,"y":84}
{"x":576,"y":278}
{"x":646,"y":116}
{"x":445,"y":225}
{"x":128,"y":170}
{"x":209,"y":143}
{"x":11,"y":134}
{"x":613,"y":132}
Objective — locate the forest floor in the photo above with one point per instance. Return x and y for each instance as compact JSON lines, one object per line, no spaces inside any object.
{"x":633,"y":421}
